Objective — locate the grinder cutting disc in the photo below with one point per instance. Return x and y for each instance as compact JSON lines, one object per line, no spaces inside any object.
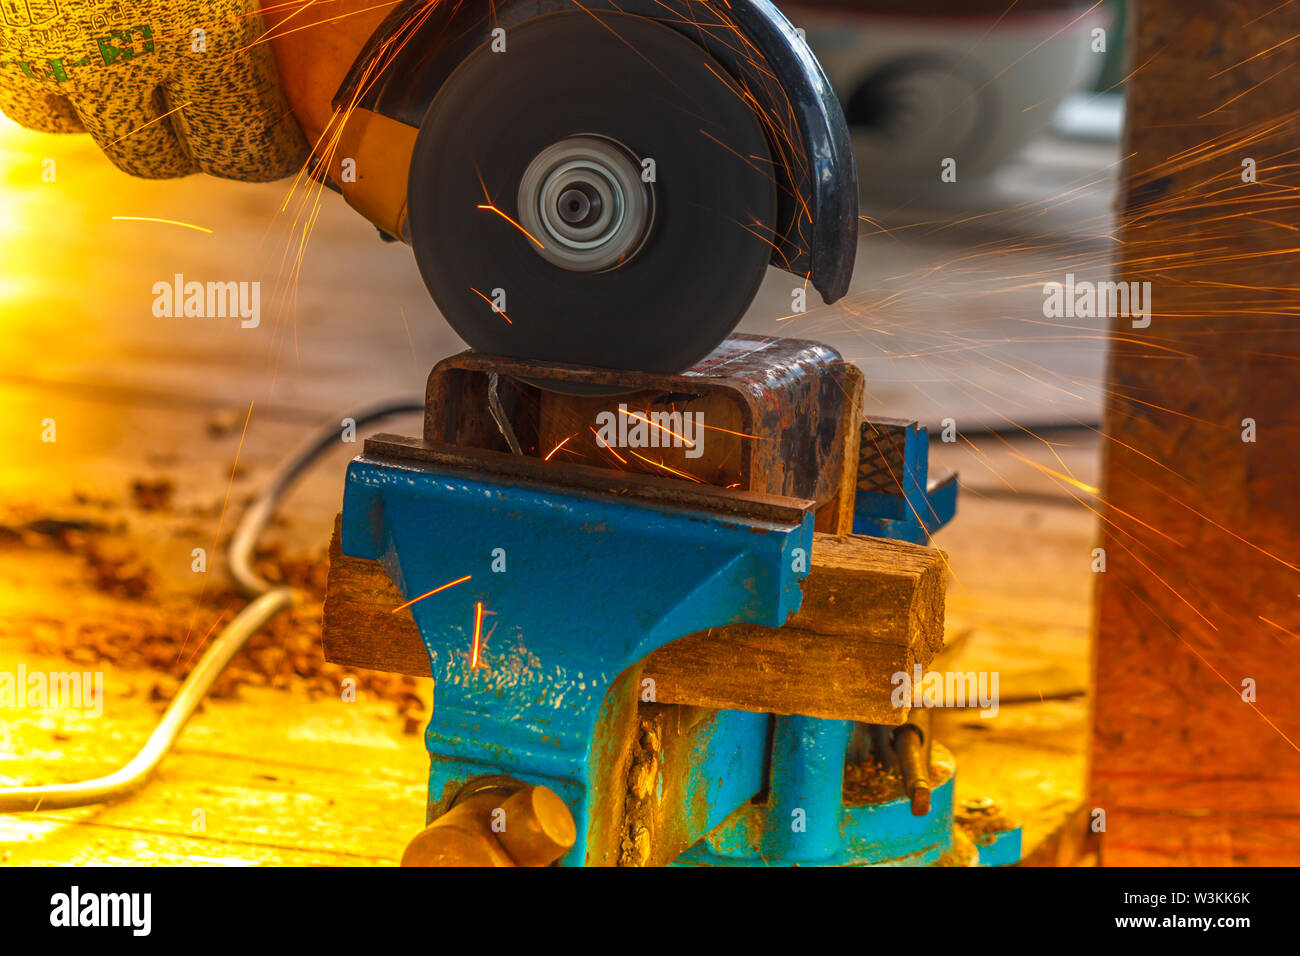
{"x":603,"y":184}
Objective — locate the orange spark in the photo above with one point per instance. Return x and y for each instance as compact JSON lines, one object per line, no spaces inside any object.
{"x":601,"y":442}
{"x":718,"y":428}
{"x":270,"y":34}
{"x":642,"y":418}
{"x":1201,"y":657}
{"x":1255,"y":56}
{"x":1279,"y":627}
{"x":202,"y":640}
{"x":449,"y":584}
{"x":500,"y":312}
{"x":660,"y":464}
{"x":1056,"y":474}
{"x":146,"y":125}
{"x":492,"y":208}
{"x":478,"y":633}
{"x":559,"y":446}
{"x":168,"y":222}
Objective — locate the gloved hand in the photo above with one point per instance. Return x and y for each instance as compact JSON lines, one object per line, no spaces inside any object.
{"x":113,"y":68}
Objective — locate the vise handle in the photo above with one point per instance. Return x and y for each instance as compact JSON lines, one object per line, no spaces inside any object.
{"x":496,"y":821}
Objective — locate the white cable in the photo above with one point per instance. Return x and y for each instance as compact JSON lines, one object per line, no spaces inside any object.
{"x":268,"y":601}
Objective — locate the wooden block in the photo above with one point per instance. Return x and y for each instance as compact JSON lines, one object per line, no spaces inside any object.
{"x":890,"y":590}
{"x":359,"y":628}
{"x":871,"y":607}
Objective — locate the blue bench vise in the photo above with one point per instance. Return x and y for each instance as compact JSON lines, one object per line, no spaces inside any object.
{"x":664,"y":614}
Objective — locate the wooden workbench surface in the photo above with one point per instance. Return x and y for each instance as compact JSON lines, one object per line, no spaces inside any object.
{"x":279,"y":776}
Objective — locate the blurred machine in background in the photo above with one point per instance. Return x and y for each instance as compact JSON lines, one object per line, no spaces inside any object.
{"x":923,"y":82}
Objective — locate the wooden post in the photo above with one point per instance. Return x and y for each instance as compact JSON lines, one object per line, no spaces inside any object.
{"x":1196,"y":743}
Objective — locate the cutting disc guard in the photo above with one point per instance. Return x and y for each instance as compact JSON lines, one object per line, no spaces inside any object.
{"x":651,"y":249}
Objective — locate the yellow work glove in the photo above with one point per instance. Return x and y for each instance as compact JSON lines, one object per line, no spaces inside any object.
{"x":114,"y":68}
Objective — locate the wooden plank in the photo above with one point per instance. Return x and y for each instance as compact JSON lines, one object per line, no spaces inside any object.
{"x":890,"y":590}
{"x":359,"y":628}
{"x":871,"y":608}
{"x":1199,"y":593}
{"x":783,"y":671}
